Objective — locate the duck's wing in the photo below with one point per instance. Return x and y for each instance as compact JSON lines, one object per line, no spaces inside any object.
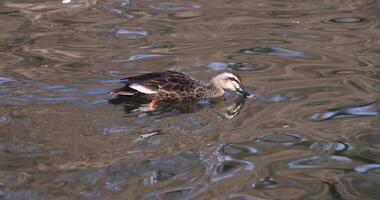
{"x":155,"y":82}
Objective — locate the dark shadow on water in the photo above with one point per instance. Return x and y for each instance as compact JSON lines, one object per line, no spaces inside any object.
{"x":128,"y":100}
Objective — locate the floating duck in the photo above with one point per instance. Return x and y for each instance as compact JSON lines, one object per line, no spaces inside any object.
{"x":177,"y":86}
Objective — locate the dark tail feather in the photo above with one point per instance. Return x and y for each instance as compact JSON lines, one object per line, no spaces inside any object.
{"x":127,"y":91}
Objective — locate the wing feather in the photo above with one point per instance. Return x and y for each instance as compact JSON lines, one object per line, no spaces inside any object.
{"x":152,"y":83}
{"x":143,"y":88}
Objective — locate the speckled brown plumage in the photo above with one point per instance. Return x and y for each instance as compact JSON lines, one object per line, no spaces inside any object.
{"x":169,"y":86}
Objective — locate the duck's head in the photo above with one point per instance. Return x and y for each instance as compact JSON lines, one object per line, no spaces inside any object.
{"x":229,"y":80}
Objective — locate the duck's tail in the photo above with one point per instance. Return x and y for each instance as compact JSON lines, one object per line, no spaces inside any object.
{"x":126,"y":91}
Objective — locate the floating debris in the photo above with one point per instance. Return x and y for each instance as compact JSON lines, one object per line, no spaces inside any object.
{"x":148,"y":135}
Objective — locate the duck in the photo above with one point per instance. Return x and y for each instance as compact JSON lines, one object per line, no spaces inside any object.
{"x":178,"y":86}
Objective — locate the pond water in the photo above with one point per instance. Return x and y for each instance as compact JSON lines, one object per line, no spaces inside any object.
{"x":310,"y":132}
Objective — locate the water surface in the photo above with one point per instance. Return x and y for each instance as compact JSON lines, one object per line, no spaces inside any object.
{"x":311,"y":132}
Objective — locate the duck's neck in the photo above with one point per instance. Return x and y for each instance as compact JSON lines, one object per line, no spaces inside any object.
{"x":215,"y":91}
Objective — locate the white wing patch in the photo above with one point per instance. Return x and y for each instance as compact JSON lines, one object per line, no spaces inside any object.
{"x":142,"y":89}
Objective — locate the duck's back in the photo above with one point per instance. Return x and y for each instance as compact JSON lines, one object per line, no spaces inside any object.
{"x":167,"y":85}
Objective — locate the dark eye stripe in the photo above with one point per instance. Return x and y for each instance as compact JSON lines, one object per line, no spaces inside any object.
{"x":234,"y":79}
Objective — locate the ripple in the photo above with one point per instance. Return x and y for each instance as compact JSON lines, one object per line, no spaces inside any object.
{"x":186,"y":15}
{"x":367,"y":110}
{"x":162,"y":170}
{"x":282,"y":98}
{"x":284,"y":138}
{"x":169,"y":6}
{"x":369,"y":138}
{"x":370,"y":51}
{"x":332,"y":162}
{"x":265,"y":25}
{"x":55,"y":88}
{"x":4,"y":118}
{"x":114,"y":130}
{"x":227,"y":165}
{"x":82,"y":176}
{"x":4,"y":90}
{"x":241,"y":197}
{"x":110,"y":81}
{"x":59,"y":99}
{"x":355,"y":187}
{"x":276,"y":51}
{"x":248,"y":66}
{"x":278,"y":141}
{"x":138,"y":57}
{"x":238,"y":150}
{"x":119,"y":32}
{"x":179,"y":193}
{"x":275,"y":187}
{"x":304,"y":36}
{"x":369,"y":169}
{"x":98,"y":101}
{"x":158,"y":176}
{"x":349,"y":20}
{"x":267,"y":182}
{"x":276,"y":98}
{"x":20,"y":147}
{"x":363,"y":62}
{"x":113,"y":178}
{"x":113,"y":186}
{"x":96,"y":91}
{"x":126,"y":3}
{"x":229,"y":168}
{"x":33,"y":194}
{"x":329,"y":146}
{"x":367,"y":144}
{"x":217,"y":66}
{"x":4,"y":80}
{"x":193,"y":125}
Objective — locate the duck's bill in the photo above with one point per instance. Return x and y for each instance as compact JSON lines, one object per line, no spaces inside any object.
{"x":244,"y":93}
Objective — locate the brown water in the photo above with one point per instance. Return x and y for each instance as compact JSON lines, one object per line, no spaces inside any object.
{"x":311,"y":132}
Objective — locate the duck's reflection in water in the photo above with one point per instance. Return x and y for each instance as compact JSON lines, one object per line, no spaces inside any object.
{"x":230,"y":108}
{"x":226,"y":108}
